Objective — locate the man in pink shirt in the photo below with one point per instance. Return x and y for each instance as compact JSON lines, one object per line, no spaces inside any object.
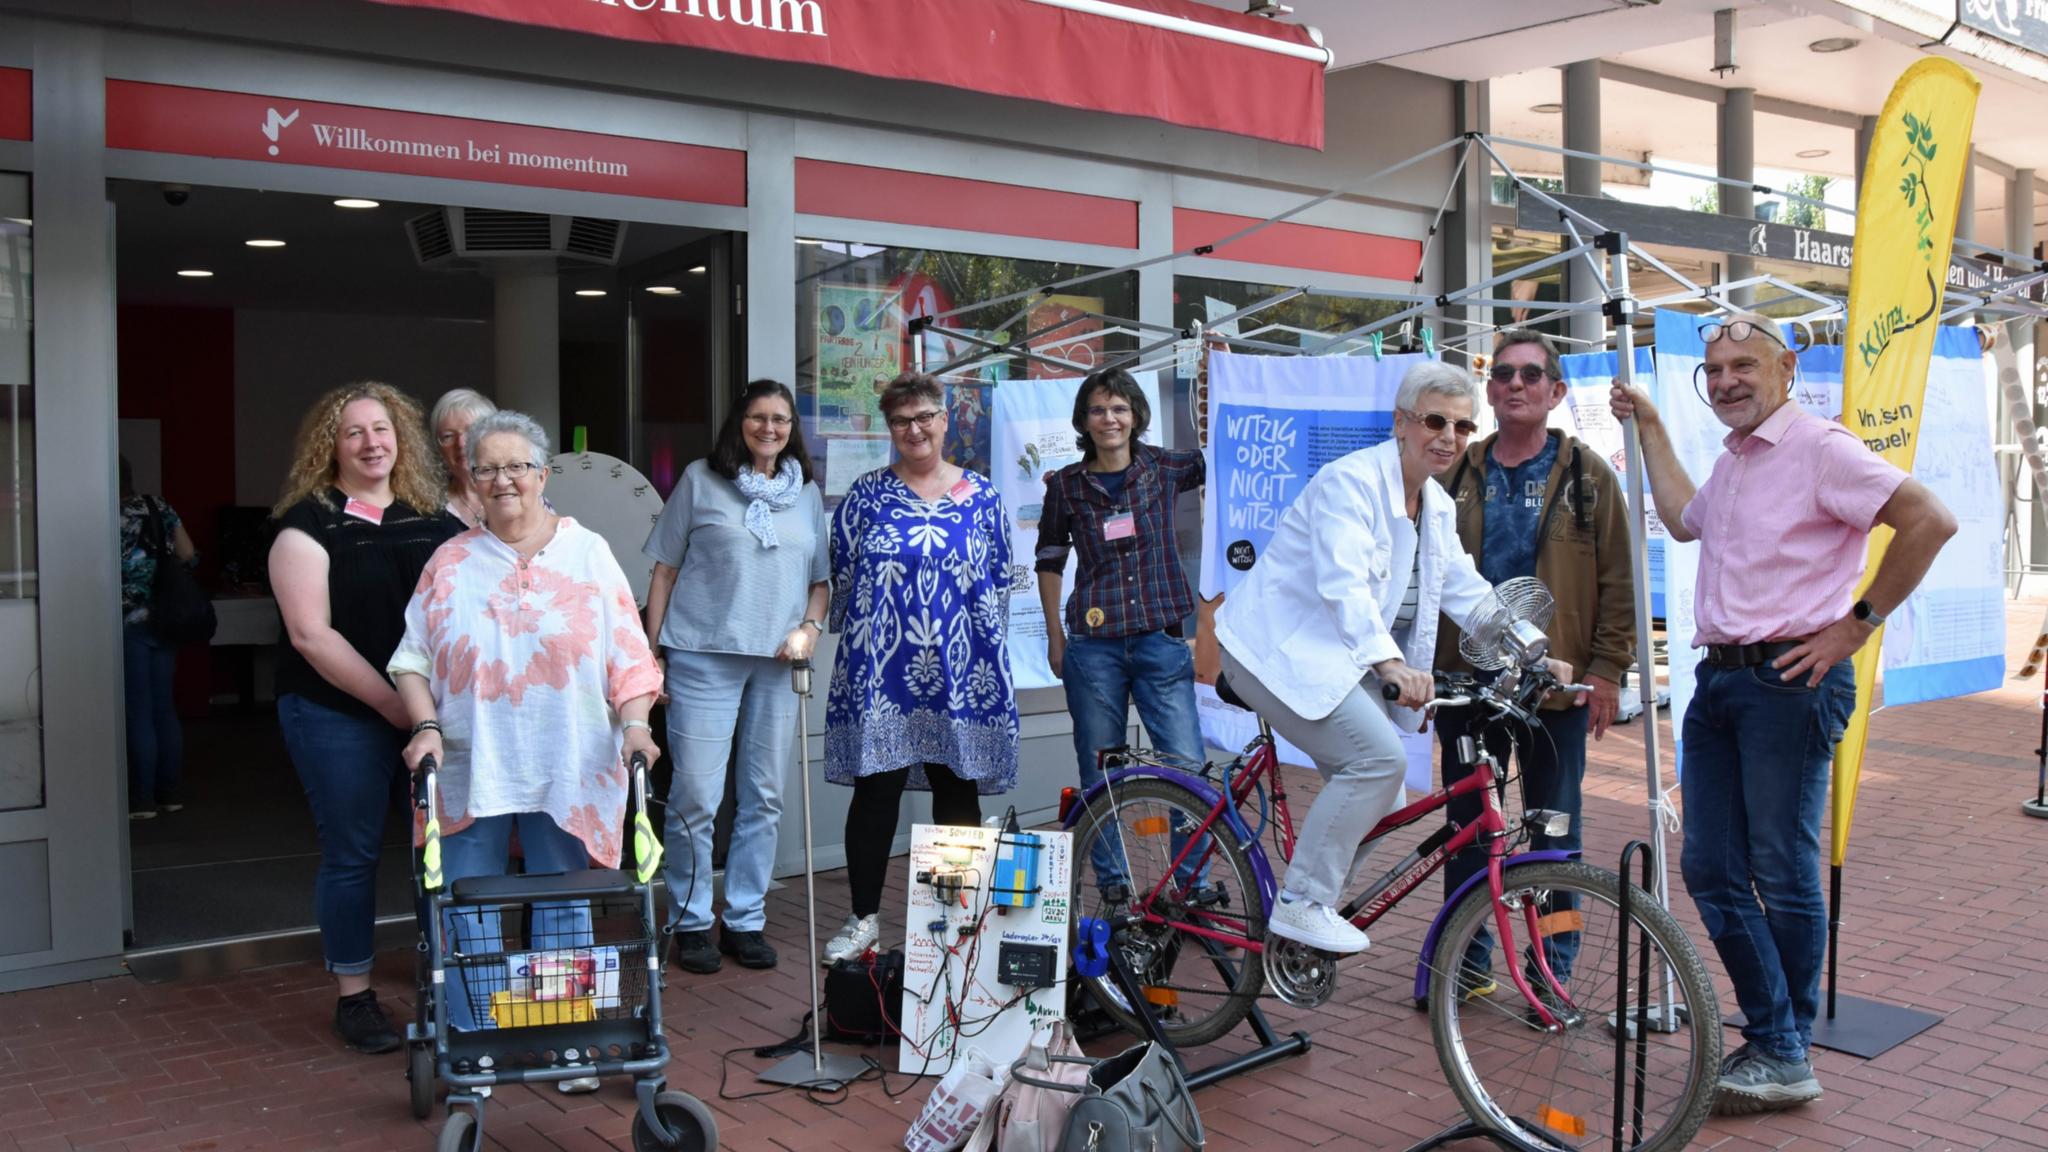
{"x":1782,"y":523}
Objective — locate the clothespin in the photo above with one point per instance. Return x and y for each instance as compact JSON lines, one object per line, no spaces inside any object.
{"x":1428,"y":341}
{"x":1379,"y":342}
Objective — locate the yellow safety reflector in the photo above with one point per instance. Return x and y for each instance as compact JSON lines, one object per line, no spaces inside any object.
{"x":1163,"y":997}
{"x":1562,"y":1123}
{"x":1562,"y":920}
{"x":430,"y":856}
{"x":1149,"y":826}
{"x":646,"y":847}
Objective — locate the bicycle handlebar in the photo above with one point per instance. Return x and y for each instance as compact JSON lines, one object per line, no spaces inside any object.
{"x":1460,"y":691}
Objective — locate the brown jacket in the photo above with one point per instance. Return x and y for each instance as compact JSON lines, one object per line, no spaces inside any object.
{"x":1582,"y":556}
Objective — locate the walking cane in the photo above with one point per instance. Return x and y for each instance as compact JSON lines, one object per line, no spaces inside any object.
{"x":817,"y":1068}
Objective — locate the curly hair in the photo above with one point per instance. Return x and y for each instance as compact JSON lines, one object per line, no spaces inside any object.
{"x":415,"y":479}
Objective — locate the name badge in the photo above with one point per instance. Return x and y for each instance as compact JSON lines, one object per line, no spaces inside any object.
{"x":960,"y":492}
{"x":362,"y":511}
{"x":1121,"y":526}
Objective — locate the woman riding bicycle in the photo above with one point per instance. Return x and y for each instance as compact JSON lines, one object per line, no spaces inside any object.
{"x":1348,"y":591}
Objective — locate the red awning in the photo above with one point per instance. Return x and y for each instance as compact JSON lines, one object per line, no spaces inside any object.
{"x":1172,"y":60}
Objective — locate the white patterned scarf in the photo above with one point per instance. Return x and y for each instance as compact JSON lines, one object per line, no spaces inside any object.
{"x":767,"y":497}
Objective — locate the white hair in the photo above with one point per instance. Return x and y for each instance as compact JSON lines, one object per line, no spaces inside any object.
{"x":502,"y":420}
{"x":459,"y":400}
{"x":1433,"y":377}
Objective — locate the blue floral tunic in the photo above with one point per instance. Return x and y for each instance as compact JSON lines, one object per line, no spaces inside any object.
{"x":921,"y":600}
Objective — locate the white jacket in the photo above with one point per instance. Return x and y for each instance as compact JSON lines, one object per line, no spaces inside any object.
{"x":1316,"y":611}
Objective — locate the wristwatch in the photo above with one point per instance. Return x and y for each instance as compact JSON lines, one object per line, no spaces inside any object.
{"x":818,"y":626}
{"x":1864,"y":612}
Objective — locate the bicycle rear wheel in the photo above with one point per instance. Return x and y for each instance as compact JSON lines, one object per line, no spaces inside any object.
{"x":1124,"y":845}
{"x":1555,"y":1090}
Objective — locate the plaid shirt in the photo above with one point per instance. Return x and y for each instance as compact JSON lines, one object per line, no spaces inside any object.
{"x":1130,"y":586}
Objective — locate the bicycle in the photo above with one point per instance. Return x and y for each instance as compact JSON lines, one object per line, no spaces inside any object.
{"x":1190,"y":881}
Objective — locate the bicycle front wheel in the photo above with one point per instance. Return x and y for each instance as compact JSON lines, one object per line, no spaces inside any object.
{"x":1190,"y":955}
{"x":1555,"y":1090}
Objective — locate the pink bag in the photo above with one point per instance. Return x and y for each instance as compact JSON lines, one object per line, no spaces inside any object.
{"x":1028,"y":1117}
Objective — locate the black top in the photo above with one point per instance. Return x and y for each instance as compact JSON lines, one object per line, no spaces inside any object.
{"x":371,"y":572}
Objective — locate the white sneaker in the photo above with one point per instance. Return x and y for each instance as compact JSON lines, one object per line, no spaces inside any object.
{"x":1316,"y":925}
{"x":856,"y":936}
{"x":579,"y":1084}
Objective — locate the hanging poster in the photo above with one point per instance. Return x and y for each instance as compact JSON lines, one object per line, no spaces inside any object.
{"x":1034,"y":435}
{"x":970,"y":392}
{"x":1275,"y":420}
{"x":1588,"y":378}
{"x":1073,"y":337}
{"x":860,"y":349}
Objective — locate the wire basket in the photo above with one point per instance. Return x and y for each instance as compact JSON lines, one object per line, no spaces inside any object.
{"x":548,"y":963}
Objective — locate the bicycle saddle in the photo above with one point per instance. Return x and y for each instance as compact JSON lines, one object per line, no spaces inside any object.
{"x":1224,"y":693}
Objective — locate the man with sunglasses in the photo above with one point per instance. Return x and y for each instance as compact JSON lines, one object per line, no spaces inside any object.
{"x":1533,"y":501}
{"x":1782,"y":522}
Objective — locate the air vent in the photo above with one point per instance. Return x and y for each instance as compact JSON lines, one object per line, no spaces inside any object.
{"x":597,"y":239}
{"x":456,"y":238}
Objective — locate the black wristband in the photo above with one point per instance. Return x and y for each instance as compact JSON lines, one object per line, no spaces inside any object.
{"x":426,"y":726}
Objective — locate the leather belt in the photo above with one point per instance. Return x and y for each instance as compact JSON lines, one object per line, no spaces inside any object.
{"x":1749,"y":655}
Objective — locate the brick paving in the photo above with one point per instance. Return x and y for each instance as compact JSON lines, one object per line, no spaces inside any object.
{"x":1943,"y":912}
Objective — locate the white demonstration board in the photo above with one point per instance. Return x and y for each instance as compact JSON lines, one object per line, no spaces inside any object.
{"x":994,"y":1017}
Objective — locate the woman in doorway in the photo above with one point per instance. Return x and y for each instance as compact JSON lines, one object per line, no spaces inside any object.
{"x":739,"y":589}
{"x":525,"y":676}
{"x":151,"y":534}
{"x":454,"y":412}
{"x":360,"y":514}
{"x":921,"y":695}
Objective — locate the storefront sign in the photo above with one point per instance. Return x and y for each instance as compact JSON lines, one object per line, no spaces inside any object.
{"x":1763,"y":239}
{"x":1031,"y":49}
{"x":1290,"y":245}
{"x":279,"y":130}
{"x":15,"y":115}
{"x":2023,"y":23}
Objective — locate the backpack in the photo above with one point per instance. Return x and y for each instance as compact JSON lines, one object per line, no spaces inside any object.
{"x":179,"y":609}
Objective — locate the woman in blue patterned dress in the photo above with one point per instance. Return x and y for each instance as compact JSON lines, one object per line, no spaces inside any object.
{"x":921,"y":695}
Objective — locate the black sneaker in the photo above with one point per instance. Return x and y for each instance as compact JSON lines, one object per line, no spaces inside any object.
{"x":751,"y":949}
{"x":694,"y":953}
{"x":360,"y":1023}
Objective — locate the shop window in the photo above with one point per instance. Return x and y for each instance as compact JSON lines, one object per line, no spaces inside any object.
{"x":853,"y":307}
{"x":21,"y":753}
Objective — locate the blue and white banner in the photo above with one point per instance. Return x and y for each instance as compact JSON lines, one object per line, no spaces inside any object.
{"x":1588,"y":377}
{"x":1034,"y":436}
{"x":1273,"y":421}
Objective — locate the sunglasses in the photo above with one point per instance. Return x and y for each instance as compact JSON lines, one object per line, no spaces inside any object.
{"x":1437,"y":422}
{"x":1531,"y":374}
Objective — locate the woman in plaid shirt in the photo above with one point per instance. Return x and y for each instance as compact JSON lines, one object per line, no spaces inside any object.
{"x":1121,"y":638}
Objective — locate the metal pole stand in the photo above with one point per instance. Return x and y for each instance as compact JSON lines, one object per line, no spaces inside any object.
{"x":2038,"y":806}
{"x":816,"y":1068}
{"x":1272,"y":1046}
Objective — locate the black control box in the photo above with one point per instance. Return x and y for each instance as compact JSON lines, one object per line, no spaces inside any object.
{"x":1026,"y":965}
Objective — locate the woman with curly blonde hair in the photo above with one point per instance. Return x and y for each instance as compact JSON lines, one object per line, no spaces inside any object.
{"x":360,"y":514}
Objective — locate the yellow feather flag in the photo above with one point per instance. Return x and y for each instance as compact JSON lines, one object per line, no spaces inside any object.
{"x":1905,"y":223}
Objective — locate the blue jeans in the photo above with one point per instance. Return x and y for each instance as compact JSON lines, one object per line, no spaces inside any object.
{"x":710,"y":695}
{"x":1102,"y":677}
{"x":1552,"y":763}
{"x":156,"y":741}
{"x":483,"y":849}
{"x":353,"y":776}
{"x":1754,"y":773}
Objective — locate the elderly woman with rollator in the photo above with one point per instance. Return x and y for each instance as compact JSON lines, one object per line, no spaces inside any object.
{"x":526,"y":675}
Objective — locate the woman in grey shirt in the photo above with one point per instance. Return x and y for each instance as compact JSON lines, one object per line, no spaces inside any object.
{"x":740,"y":586}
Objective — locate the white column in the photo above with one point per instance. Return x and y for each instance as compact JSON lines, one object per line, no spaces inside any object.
{"x":527,"y":336}
{"x":1737,"y":161}
{"x":1582,"y":178}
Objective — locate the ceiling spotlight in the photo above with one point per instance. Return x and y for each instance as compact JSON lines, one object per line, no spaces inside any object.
{"x":800,"y":240}
{"x":697,"y":271}
{"x":354,"y":202}
{"x":194,"y":273}
{"x":590,"y":291}
{"x":1833,"y":44}
{"x":1811,"y":153}
{"x":664,"y":290}
{"x":1550,"y":109}
{"x":264,"y":243}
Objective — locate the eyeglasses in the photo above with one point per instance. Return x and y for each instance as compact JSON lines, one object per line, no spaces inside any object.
{"x":771,"y":419}
{"x":1437,"y":422}
{"x":513,"y":472}
{"x":1739,"y":331}
{"x":1531,"y":374}
{"x":923,"y":420}
{"x":1120,"y":411}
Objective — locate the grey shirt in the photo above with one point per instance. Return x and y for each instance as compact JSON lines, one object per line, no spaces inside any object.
{"x":732,"y":594}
